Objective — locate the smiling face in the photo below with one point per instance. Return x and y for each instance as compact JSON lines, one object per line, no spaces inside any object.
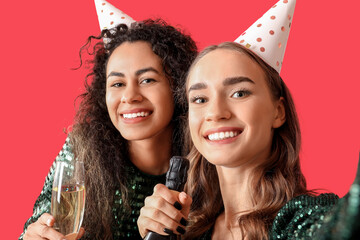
{"x":231,"y":111}
{"x":138,"y":94}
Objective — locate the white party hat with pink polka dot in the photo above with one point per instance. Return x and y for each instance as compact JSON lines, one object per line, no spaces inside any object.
{"x":109,"y":16}
{"x":268,"y":36}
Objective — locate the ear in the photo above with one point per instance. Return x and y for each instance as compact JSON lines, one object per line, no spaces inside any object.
{"x":279,"y":117}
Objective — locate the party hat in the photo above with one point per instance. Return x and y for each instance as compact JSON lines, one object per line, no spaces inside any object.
{"x":268,"y":36}
{"x":109,"y":16}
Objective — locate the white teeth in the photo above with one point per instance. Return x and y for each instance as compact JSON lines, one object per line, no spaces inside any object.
{"x":222,"y":135}
{"x":134,"y":115}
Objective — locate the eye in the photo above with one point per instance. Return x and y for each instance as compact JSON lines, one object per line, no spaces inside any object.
{"x":147,"y":81}
{"x":198,"y":100}
{"x":241,"y":94}
{"x":118,"y":84}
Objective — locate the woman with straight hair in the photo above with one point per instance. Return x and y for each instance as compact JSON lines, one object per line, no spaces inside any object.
{"x":245,"y":179}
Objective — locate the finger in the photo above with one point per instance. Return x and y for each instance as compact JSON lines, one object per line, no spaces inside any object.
{"x":49,"y":233}
{"x":158,"y":203}
{"x":43,"y":228}
{"x":169,"y":195}
{"x":46,"y":219}
{"x":185,"y":201}
{"x":81,"y":233}
{"x":148,"y":224}
{"x":155,"y":220}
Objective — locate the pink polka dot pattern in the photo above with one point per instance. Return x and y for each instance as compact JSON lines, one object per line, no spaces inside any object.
{"x":267,"y":37}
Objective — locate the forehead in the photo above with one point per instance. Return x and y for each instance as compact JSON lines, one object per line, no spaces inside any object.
{"x":133,"y":55}
{"x":219,"y":64}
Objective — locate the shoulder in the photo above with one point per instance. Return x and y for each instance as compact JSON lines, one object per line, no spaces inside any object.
{"x":66,"y":153}
{"x":302,"y":213}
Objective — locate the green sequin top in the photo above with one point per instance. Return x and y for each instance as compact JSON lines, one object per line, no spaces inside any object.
{"x":124,"y":225}
{"x":323,"y":217}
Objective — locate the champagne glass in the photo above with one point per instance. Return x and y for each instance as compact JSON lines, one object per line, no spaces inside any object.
{"x":68,"y":198}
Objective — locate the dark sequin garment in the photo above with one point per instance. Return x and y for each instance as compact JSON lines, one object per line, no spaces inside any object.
{"x":140,"y":185}
{"x":323,"y":217}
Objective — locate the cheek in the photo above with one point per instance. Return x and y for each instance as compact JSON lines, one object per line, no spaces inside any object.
{"x":194,"y":124}
{"x":111,"y":102}
{"x":163,"y":100}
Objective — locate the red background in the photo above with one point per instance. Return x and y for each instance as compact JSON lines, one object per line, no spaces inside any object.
{"x":40,"y":42}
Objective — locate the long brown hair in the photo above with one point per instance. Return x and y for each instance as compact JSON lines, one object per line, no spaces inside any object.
{"x":273,"y":183}
{"x":94,"y":138}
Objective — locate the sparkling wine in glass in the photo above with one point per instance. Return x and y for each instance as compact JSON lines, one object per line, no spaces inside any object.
{"x":68,"y":198}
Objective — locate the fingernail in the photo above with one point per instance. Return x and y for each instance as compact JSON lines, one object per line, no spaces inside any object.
{"x":168,"y":231}
{"x":48,"y":222}
{"x":177,"y":205}
{"x":180,"y":230}
{"x":183,"y":195}
{"x":183,"y":222}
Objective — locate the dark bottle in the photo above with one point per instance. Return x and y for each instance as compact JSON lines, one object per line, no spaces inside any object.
{"x":176,"y":178}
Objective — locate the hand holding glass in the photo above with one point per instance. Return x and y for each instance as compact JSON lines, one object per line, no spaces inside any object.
{"x":68,"y":198}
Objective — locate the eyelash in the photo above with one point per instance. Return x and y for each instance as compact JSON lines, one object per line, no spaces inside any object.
{"x":195,"y":98}
{"x":148,"y":79}
{"x":244,"y":92}
{"x":118,"y":84}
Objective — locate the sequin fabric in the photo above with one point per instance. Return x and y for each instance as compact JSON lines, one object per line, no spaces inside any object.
{"x":124,"y":226}
{"x":323,"y":217}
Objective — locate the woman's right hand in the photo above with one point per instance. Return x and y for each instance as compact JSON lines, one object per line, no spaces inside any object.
{"x":42,"y":229}
{"x":164,"y":212}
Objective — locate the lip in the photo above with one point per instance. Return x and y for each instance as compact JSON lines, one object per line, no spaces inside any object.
{"x":137,"y":119}
{"x":222,"y":129}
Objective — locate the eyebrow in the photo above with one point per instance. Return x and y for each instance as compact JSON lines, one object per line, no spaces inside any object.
{"x":226,"y":82}
{"x":197,"y":86}
{"x":235,"y":80}
{"x":137,"y":73}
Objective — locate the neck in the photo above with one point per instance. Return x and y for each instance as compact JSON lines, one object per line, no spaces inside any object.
{"x":235,"y":192}
{"x":152,"y":155}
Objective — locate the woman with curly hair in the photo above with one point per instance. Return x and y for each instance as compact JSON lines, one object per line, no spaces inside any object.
{"x":128,"y":125}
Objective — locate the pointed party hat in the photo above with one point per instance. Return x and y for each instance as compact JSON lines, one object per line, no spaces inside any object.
{"x":109,"y":16}
{"x":268,"y":36}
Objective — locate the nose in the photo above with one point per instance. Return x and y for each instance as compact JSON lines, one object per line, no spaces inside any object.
{"x":131,"y":94}
{"x":217,"y":110}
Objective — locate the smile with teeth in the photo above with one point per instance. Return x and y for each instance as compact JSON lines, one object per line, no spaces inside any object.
{"x":222,"y":135}
{"x":135,"y":115}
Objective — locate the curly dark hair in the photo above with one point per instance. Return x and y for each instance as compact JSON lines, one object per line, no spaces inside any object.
{"x":95,"y":139}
